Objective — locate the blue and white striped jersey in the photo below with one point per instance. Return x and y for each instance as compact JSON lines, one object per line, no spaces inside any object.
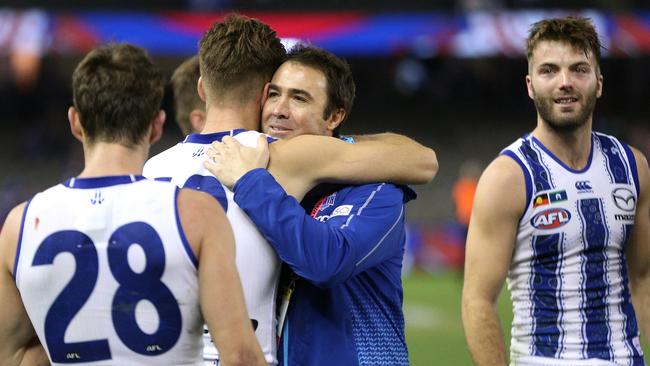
{"x":568,"y":277}
{"x":257,"y":263}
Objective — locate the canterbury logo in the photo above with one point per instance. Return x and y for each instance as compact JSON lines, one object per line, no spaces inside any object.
{"x":624,"y":199}
{"x":198,"y":152}
{"x":583,"y":185}
{"x":97,"y":198}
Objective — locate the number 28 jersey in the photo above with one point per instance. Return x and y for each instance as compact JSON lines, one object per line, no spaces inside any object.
{"x":107,"y":276}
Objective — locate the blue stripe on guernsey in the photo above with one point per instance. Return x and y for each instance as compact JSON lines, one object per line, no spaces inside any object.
{"x":632,"y":160}
{"x":527,"y":180}
{"x":208,"y":138}
{"x":541,"y":177}
{"x":615,"y":162}
{"x":631,"y":328}
{"x":20,"y":240}
{"x":100,"y":182}
{"x":560,"y":162}
{"x":545,"y":288}
{"x":163,"y":179}
{"x":595,"y":236}
{"x":181,"y":232}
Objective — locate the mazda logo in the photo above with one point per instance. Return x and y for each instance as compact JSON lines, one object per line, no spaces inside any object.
{"x":624,"y":199}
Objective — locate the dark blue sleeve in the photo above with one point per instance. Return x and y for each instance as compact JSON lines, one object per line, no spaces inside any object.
{"x":329,"y":252}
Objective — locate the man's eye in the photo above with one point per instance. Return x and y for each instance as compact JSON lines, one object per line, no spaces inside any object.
{"x":299,"y":98}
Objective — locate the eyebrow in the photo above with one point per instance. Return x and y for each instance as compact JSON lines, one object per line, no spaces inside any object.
{"x":573,"y":65}
{"x":292,"y":91}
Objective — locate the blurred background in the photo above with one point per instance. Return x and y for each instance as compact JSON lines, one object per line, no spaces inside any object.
{"x":449,"y":73}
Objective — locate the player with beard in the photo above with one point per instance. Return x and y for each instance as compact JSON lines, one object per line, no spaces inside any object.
{"x":563,"y":213}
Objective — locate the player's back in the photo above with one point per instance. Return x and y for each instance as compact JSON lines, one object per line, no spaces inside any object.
{"x":107,"y":276}
{"x":257,"y":263}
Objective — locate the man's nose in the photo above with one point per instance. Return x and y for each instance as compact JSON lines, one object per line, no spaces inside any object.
{"x":566,"y":81}
{"x":281,"y":108}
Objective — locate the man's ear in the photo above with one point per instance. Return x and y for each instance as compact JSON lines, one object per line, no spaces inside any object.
{"x":529,"y":86}
{"x":157,"y":126}
{"x":265,"y":94}
{"x":199,"y":88}
{"x":336,"y":118}
{"x":75,"y":124}
{"x":197,"y":120}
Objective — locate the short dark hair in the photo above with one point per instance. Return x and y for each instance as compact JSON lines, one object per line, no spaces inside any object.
{"x":577,"y":31}
{"x":117,"y":91}
{"x":238,"y":56}
{"x":340,"y":83}
{"x":186,"y":97}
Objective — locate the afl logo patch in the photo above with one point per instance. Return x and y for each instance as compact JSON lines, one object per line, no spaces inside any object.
{"x":551,"y":218}
{"x":624,"y":199}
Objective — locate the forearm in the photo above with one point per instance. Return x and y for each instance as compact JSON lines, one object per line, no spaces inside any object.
{"x":483,"y":333}
{"x":407,"y":161}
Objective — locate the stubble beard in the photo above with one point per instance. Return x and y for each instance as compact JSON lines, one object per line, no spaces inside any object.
{"x":560,"y":124}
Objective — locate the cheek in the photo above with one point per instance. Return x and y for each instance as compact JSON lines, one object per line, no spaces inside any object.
{"x":266,"y":111}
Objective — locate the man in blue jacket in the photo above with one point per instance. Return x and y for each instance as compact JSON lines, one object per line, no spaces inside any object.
{"x":346,"y":305}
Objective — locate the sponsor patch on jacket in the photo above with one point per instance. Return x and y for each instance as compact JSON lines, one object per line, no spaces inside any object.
{"x":323,"y":203}
{"x":551,"y":218}
{"x":343,"y":210}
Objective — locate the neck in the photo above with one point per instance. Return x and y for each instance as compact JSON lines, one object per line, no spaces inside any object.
{"x":221,"y":117}
{"x":571,"y":147}
{"x":102,"y":159}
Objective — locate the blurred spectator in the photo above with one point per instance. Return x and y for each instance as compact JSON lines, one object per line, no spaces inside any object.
{"x":463,"y":192}
{"x":23,"y":40}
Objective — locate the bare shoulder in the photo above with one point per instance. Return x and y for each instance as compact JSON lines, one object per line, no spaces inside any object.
{"x":199,"y":212}
{"x":643,"y":172}
{"x":9,"y":235}
{"x":641,"y":162}
{"x":503,"y":173}
{"x":502,"y":187}
{"x":197,"y":206}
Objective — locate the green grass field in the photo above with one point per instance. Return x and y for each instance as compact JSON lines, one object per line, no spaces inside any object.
{"x":434,"y":332}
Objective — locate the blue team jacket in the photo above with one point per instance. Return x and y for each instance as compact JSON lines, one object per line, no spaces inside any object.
{"x":347,"y":307}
